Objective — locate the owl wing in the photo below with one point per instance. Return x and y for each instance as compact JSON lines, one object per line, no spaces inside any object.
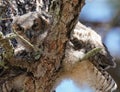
{"x":85,"y":74}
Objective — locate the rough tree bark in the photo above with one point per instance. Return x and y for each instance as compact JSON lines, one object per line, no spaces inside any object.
{"x":23,"y":75}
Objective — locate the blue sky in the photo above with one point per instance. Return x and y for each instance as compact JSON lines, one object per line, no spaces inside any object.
{"x":68,"y":85}
{"x":96,"y":10}
{"x":112,"y":41}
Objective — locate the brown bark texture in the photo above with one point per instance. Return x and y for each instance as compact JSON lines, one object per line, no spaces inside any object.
{"x":29,"y":63}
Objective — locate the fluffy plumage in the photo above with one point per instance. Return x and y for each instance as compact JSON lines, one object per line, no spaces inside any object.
{"x":91,"y":72}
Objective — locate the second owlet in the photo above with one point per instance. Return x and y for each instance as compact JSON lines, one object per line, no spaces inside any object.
{"x":92,"y":72}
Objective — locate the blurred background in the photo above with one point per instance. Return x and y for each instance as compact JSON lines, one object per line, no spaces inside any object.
{"x":104,"y":17}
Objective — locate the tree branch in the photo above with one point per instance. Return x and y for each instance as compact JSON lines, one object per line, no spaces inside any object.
{"x":44,"y":71}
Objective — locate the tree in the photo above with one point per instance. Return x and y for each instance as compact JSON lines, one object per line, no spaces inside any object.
{"x":33,"y":61}
{"x":23,"y":74}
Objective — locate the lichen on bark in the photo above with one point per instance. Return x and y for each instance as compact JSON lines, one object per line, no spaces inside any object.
{"x":25,"y":73}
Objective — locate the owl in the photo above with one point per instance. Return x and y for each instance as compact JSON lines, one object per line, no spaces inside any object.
{"x":92,"y":71}
{"x":31,"y":27}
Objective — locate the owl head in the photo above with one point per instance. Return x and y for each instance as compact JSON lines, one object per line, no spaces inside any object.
{"x":82,"y":40}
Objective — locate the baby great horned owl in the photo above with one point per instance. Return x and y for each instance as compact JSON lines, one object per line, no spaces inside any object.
{"x":33,"y":27}
{"x":91,"y":72}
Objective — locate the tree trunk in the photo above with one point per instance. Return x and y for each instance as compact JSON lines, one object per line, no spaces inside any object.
{"x":26,"y":75}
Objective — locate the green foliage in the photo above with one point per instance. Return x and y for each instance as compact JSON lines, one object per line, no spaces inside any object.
{"x":91,"y":53}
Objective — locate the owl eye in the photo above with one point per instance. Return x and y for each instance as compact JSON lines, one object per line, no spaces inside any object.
{"x":77,"y":43}
{"x":35,"y":25}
